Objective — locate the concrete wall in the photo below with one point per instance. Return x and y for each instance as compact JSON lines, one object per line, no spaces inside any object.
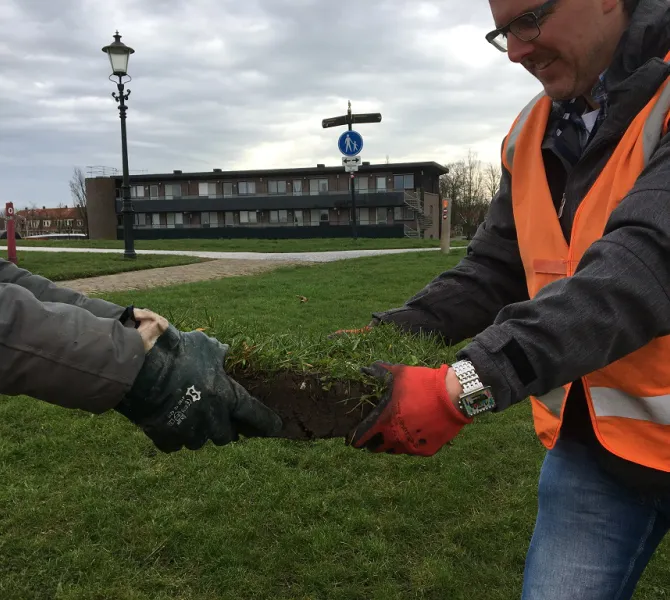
{"x":101,"y":208}
{"x":431,"y":207}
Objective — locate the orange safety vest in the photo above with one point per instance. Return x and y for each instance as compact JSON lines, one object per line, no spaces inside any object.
{"x":628,"y":400}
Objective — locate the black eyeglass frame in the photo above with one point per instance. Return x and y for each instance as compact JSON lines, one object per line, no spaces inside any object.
{"x":540,"y":13}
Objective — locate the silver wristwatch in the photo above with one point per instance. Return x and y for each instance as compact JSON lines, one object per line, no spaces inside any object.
{"x":476,"y":397}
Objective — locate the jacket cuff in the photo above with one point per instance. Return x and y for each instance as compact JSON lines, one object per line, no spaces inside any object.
{"x":492,"y":353}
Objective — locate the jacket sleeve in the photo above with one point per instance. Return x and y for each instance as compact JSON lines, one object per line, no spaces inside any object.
{"x":616,"y":302}
{"x":464,"y":300}
{"x":63,"y":354}
{"x":47,"y":291}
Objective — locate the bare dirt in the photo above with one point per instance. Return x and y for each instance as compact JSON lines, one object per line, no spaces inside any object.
{"x":163,"y":276}
{"x":311,"y":406}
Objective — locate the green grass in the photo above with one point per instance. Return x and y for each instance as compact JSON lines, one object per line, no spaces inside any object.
{"x":70,"y":265}
{"x":89,"y":509}
{"x":247,"y":245}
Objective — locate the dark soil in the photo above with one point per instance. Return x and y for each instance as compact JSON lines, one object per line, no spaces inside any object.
{"x":311,"y":406}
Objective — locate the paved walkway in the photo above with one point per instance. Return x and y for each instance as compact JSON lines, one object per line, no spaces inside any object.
{"x":152,"y":278}
{"x":221,"y":264}
{"x":292,"y":257}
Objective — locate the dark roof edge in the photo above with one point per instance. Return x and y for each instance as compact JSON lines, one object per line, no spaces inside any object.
{"x":441,"y":169}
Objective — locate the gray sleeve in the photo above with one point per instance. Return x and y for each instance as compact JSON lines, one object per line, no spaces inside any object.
{"x":464,"y":300}
{"x":47,"y":291}
{"x":63,"y":354}
{"x":616,"y":302}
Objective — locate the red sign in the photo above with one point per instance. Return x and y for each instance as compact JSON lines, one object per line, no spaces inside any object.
{"x":11,"y":236}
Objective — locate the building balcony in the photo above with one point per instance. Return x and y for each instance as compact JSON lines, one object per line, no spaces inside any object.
{"x":331,"y":199}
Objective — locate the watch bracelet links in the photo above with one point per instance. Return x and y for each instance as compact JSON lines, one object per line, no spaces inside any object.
{"x":470,"y":382}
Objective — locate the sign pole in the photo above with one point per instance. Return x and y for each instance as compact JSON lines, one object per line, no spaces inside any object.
{"x":11,"y":235}
{"x":353,"y":182}
{"x":445,"y":238}
{"x":350,"y":145}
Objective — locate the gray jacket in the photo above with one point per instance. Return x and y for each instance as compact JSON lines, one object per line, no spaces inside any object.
{"x":619,"y":298}
{"x":59,"y":346}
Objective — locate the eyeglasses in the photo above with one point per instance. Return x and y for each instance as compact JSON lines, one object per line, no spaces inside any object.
{"x":525,"y":27}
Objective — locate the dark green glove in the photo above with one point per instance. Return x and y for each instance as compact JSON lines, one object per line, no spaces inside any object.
{"x":183,"y":397}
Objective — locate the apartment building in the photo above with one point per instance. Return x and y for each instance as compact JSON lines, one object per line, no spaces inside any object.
{"x":392,"y":200}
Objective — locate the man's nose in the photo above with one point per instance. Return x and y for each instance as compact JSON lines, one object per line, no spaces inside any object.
{"x":518,"y":50}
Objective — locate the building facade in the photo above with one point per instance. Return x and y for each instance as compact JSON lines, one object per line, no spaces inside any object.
{"x":48,"y":221}
{"x":392,"y":200}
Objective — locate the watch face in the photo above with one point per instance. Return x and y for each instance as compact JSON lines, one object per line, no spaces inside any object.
{"x":479,"y":402}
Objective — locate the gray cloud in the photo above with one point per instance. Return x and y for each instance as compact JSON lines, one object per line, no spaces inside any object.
{"x":229,"y":84}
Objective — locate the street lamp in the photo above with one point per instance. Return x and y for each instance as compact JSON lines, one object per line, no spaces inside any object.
{"x":119,"y":54}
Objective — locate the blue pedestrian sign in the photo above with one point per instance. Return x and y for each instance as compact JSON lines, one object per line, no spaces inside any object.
{"x":350,"y":143}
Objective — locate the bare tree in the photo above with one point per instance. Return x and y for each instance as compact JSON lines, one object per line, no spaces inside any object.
{"x":466,"y":187}
{"x":78,"y":191}
{"x":492,"y":175}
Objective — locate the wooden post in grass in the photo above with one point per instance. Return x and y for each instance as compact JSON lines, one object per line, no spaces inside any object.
{"x":11,"y":237}
{"x":445,"y":237}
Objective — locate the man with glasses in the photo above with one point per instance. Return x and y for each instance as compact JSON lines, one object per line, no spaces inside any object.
{"x":566,"y":290}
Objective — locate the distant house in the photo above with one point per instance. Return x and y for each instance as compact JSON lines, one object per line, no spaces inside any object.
{"x":41,"y":221}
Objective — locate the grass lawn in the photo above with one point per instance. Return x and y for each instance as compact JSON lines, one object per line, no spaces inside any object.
{"x":247,"y":245}
{"x":89,"y":509}
{"x":60,"y":267}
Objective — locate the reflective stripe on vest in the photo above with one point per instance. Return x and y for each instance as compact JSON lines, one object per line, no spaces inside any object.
{"x":629,"y":400}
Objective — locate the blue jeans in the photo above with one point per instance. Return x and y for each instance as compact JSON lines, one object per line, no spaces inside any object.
{"x":593,"y":537}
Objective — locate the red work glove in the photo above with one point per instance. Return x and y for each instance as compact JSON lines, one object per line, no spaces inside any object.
{"x":415,"y":414}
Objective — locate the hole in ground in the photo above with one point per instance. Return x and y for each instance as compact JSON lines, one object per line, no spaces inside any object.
{"x":311,"y":406}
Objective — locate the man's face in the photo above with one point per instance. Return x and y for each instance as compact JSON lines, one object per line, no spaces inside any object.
{"x":567,"y":56}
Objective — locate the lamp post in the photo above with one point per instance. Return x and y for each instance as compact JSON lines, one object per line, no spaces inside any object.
{"x":119,"y":54}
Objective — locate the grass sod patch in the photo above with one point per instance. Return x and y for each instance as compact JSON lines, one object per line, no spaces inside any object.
{"x":247,"y":245}
{"x":61,"y":267}
{"x":89,"y":509}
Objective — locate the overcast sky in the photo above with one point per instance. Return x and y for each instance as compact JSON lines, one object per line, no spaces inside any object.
{"x":245,"y":84}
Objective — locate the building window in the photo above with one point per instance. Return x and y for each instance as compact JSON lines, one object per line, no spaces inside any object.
{"x":361,"y":184}
{"x":173,"y":191}
{"x":363,"y":216}
{"x":140,"y":219}
{"x":137,"y":191}
{"x":381,"y":216}
{"x":155,"y":220}
{"x":381,"y":184}
{"x":227,"y":189}
{"x":318,"y":186}
{"x":276,"y":187}
{"x":315,"y":216}
{"x":278,"y":216}
{"x":170,"y":220}
{"x":246,"y":188}
{"x":204,"y":219}
{"x":324,"y":215}
{"x":403,"y":182}
{"x":297,"y":187}
{"x":298,"y":218}
{"x":179,"y":219}
{"x":229,"y":218}
{"x":206,"y":189}
{"x":153,"y":192}
{"x":247,"y":216}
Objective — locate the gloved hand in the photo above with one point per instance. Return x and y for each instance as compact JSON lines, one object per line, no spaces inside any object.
{"x":183,"y":397}
{"x":365,"y":329}
{"x":414,"y":416}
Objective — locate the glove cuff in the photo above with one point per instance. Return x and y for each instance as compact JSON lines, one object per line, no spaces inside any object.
{"x":441,"y":392}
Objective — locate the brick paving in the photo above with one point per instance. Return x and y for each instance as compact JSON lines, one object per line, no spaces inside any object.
{"x":151,"y":278}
